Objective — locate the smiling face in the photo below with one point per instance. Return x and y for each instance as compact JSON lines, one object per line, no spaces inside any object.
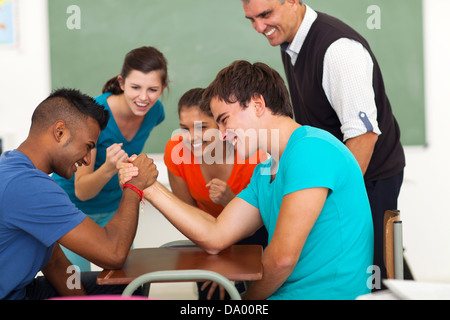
{"x":196,"y":130}
{"x":277,"y":22}
{"x":141,"y":90}
{"x":75,"y":148}
{"x":237,"y":125}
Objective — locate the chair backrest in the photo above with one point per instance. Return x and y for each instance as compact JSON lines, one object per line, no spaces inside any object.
{"x":393,"y":244}
{"x":182,"y":275}
{"x":178,"y":243}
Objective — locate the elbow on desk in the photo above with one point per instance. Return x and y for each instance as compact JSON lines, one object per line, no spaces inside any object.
{"x":113,"y":261}
{"x":212,"y":248}
{"x":211,"y":243}
{"x":212,"y":251}
{"x":112,"y":265}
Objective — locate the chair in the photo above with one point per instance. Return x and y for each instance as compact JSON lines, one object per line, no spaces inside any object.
{"x":393,"y":244}
{"x":178,"y":243}
{"x":182,"y":275}
{"x":175,"y":243}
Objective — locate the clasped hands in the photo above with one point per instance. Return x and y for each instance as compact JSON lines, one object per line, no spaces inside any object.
{"x":139,"y":171}
{"x":219,"y":191}
{"x":143,"y":167}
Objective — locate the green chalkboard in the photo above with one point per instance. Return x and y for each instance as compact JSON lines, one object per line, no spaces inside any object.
{"x":89,"y":39}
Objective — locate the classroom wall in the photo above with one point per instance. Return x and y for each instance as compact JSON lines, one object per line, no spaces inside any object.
{"x":25,"y":81}
{"x":24,"y":72}
{"x":423,"y":199}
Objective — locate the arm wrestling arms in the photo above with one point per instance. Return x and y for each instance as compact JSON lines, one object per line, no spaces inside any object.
{"x":237,"y":221}
{"x":108,"y":246}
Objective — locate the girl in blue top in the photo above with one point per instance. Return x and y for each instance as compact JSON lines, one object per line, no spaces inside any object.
{"x":132,"y":99}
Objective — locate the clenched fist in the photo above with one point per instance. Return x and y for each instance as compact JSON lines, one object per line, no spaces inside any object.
{"x":220,"y":192}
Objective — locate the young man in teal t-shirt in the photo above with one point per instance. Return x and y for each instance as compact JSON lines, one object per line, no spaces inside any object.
{"x":310,"y":194}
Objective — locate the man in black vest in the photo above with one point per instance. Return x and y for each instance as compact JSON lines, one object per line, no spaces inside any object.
{"x":336,"y":84}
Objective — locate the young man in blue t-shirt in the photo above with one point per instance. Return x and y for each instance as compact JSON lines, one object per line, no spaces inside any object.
{"x":310,"y":194}
{"x":36,"y":215}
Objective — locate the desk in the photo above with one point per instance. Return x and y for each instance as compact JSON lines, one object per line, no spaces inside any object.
{"x":237,"y":263}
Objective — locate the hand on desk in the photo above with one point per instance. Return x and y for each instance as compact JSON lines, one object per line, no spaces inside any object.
{"x":139,"y":171}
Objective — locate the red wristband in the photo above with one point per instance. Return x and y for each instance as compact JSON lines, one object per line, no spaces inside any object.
{"x":139,"y":192}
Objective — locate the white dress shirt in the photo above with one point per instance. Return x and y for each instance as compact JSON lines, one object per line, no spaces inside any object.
{"x":347,"y":80}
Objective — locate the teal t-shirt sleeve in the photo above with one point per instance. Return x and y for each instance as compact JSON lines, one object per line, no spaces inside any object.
{"x":162,"y":114}
{"x":310,"y":163}
{"x":251,"y":192}
{"x":46,"y":212}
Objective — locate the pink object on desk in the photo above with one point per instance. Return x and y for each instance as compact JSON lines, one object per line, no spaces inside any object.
{"x":101,"y":297}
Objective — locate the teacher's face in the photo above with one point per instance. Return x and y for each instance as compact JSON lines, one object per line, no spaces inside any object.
{"x":276,"y":21}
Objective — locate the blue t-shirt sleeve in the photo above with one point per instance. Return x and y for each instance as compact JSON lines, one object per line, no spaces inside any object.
{"x":311,"y":163}
{"x":45,"y":210}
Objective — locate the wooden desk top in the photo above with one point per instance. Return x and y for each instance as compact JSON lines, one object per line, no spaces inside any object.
{"x":237,"y":263}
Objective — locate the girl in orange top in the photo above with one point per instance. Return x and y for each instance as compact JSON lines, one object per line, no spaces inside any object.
{"x":201,"y":186}
{"x":204,"y":170}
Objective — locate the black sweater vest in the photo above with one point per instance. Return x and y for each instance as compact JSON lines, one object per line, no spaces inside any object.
{"x":311,"y":106}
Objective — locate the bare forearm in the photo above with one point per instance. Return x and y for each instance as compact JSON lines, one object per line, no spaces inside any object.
{"x":89,"y":185}
{"x":57,"y":273}
{"x":194,"y":223}
{"x":107,"y":247}
{"x":362,"y":149}
{"x":275,"y":274}
{"x":122,"y":227}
